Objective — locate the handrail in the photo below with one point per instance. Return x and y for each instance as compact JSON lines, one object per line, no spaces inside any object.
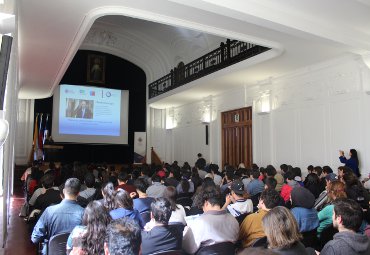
{"x":227,"y":54}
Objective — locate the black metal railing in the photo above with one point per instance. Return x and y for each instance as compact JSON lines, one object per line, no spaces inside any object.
{"x":227,"y":54}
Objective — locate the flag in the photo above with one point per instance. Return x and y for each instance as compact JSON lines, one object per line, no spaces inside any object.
{"x":46,"y":129}
{"x":40,"y":138}
{"x":35,"y":138}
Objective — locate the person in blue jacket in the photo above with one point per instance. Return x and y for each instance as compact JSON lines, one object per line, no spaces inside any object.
{"x":352,"y":162}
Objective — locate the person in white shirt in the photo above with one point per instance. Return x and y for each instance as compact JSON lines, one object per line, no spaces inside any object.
{"x":213,"y":226}
{"x":235,"y":203}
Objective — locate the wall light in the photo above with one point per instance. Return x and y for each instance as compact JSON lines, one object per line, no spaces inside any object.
{"x":263,"y":104}
{"x":170,"y":118}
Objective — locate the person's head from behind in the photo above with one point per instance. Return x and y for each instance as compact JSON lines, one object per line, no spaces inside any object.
{"x":353,"y":154}
{"x":269,"y":199}
{"x":89,"y":180}
{"x":347,"y":215}
{"x":108,"y":193}
{"x":95,"y":218}
{"x":122,"y":199}
{"x":210,"y":198}
{"x":317,"y":170}
{"x":171,"y":195}
{"x":290,"y":175}
{"x":336,"y":189}
{"x":326,"y":170}
{"x":72,"y":188}
{"x":141,"y":185}
{"x":312,"y":179}
{"x":47,"y":181}
{"x":310,"y":168}
{"x":255,"y":174}
{"x":350,"y":179}
{"x":281,"y":228}
{"x":270,"y":183}
{"x":123,"y":237}
{"x":342,"y":170}
{"x":270,"y":171}
{"x":284,"y":168}
{"x":123,"y":177}
{"x":161,"y":210}
{"x":302,"y":197}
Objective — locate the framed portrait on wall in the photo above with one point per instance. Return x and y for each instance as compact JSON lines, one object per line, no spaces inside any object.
{"x":95,"y":68}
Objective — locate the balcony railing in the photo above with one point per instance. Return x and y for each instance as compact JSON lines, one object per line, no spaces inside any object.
{"x":227,"y":54}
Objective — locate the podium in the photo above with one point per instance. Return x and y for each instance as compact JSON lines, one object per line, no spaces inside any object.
{"x":53,"y":152}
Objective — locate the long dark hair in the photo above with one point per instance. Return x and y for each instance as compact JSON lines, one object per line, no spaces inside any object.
{"x":171,"y":194}
{"x":354,"y":156}
{"x":108,"y":196}
{"x":123,"y":200}
{"x":96,"y":218}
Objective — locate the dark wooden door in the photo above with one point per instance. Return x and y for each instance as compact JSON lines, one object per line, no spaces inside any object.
{"x":237,"y":137}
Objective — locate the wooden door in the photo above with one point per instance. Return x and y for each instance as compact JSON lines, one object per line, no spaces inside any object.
{"x":237,"y":137}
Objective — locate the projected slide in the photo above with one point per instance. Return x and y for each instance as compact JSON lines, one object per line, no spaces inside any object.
{"x":89,"y":111}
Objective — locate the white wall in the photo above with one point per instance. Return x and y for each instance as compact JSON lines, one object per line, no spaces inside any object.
{"x":316,"y":111}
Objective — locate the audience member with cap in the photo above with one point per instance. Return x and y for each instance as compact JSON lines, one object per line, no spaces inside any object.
{"x":236,"y":203}
{"x":302,"y":202}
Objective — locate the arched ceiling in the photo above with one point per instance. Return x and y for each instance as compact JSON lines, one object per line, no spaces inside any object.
{"x":154,"y":47}
{"x":156,"y":35}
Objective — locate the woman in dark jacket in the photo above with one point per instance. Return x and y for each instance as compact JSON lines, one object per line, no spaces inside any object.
{"x":352,"y":162}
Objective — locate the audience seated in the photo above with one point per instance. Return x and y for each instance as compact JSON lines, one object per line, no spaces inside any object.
{"x":143,"y":202}
{"x":302,"y":203}
{"x":171,"y":180}
{"x":251,"y":227}
{"x":60,"y":218}
{"x":158,"y":235}
{"x":270,"y":183}
{"x":235,"y":203}
{"x":336,"y":190}
{"x":108,"y":193}
{"x":157,"y":188}
{"x":287,"y":188}
{"x":312,"y":183}
{"x":216,"y":177}
{"x":355,"y":190}
{"x":178,"y":212}
{"x":347,"y":218}
{"x":322,"y":200}
{"x":123,"y":178}
{"x":90,"y":186}
{"x":186,"y":189}
{"x":88,"y":238}
{"x":42,"y":190}
{"x":272,"y":173}
{"x":255,"y":186}
{"x":213,"y":226}
{"x":123,"y":237}
{"x":124,"y":208}
{"x":227,"y":180}
{"x":282,"y":232}
{"x":50,"y":195}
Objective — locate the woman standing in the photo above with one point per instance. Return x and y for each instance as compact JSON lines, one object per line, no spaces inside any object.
{"x":352,"y":162}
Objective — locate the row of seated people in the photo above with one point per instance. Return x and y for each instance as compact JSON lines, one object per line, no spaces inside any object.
{"x":118,"y":205}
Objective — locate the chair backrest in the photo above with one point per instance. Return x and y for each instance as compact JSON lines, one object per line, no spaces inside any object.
{"x":225,"y":248}
{"x":260,"y":242}
{"x":57,"y":244}
{"x":145,"y":216}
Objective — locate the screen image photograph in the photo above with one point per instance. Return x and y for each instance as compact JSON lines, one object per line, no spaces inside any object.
{"x":79,"y":108}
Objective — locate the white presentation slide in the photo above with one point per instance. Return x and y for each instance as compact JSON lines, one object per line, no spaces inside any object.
{"x":90,"y":115}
